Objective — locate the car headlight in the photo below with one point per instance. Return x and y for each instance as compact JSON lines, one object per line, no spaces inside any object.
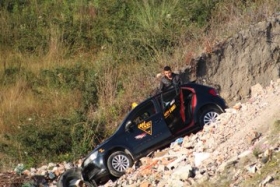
{"x":90,"y":158}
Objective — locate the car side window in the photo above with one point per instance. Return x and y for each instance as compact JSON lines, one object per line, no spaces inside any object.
{"x":166,"y":98}
{"x":143,"y":113}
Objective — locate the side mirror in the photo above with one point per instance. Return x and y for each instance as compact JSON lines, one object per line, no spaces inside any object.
{"x":128,"y":126}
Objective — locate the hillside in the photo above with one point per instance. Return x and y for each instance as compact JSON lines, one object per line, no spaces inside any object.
{"x":71,"y":70}
{"x":241,"y":149}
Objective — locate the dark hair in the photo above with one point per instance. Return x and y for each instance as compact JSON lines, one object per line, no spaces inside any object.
{"x":167,"y":68}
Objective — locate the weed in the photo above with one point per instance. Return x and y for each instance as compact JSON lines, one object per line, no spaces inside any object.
{"x":256,"y":152}
{"x":276,"y":126}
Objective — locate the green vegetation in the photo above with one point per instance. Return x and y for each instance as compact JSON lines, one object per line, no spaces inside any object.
{"x":270,"y":168}
{"x":70,"y":69}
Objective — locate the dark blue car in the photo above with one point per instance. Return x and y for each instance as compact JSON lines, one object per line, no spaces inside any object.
{"x":151,"y":125}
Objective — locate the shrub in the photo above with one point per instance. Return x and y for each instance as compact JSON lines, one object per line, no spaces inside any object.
{"x":46,"y":141}
{"x":56,"y":140}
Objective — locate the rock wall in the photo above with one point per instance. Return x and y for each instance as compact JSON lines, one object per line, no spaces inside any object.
{"x":249,"y":57}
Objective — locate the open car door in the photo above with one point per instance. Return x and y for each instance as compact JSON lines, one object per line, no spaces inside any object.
{"x":177,"y":109}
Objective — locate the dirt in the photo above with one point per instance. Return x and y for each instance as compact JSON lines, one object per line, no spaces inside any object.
{"x":249,"y":57}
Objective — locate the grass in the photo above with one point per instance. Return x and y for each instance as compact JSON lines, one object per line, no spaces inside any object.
{"x":257,"y":152}
{"x":276,"y":126}
{"x":271,"y":168}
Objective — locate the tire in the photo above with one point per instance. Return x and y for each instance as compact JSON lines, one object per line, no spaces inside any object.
{"x":118,"y":162}
{"x":209,"y":115}
{"x":70,"y":177}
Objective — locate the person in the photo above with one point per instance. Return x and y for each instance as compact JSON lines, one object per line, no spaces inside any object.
{"x":169,"y":79}
{"x":157,"y":82}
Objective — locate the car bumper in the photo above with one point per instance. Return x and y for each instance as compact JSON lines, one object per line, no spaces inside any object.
{"x":96,"y":171}
{"x":221,"y":103}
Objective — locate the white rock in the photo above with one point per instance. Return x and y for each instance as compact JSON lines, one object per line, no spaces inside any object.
{"x":182,"y":173}
{"x":199,"y":157}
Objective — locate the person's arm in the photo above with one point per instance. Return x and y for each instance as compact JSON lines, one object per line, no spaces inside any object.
{"x":161,"y":86}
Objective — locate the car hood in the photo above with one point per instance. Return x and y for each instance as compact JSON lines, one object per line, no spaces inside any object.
{"x":101,"y":145}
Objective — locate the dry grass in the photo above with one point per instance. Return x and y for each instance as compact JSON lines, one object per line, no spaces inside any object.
{"x":120,"y":87}
{"x":230,"y":17}
{"x":19,"y":103}
{"x":227,"y":19}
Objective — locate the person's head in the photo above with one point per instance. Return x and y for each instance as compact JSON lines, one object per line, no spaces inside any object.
{"x":167,"y":72}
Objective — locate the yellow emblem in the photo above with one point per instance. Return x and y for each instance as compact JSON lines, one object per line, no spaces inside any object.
{"x":168,"y":112}
{"x":146,"y":127}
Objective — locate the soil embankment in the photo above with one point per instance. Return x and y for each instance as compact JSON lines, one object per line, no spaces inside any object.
{"x":249,"y":57}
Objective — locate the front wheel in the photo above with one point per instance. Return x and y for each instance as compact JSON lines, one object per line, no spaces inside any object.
{"x":209,"y":115}
{"x":73,"y":178}
{"x":118,"y":162}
